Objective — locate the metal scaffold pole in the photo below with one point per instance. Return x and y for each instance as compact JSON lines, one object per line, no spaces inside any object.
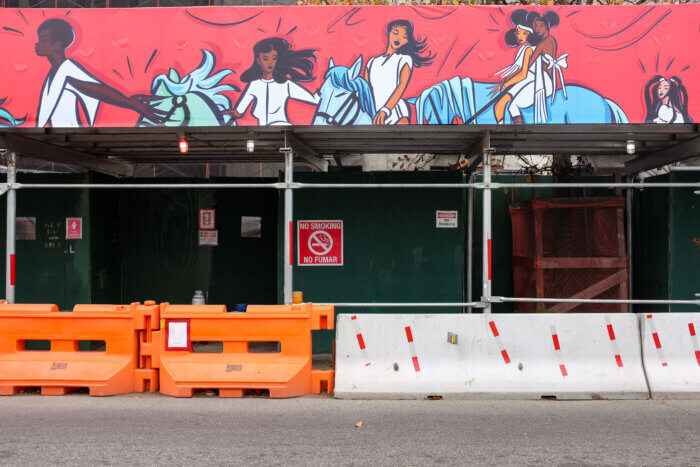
{"x":486,"y":237}
{"x":470,"y":243}
{"x":288,"y":223}
{"x":11,"y":224}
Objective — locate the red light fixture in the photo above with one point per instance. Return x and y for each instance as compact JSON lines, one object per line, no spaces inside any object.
{"x":182,"y":143}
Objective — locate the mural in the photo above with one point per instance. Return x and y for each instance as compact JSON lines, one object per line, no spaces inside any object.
{"x":348,"y":65}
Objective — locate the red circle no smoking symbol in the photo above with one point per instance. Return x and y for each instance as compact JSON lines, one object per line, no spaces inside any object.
{"x":320,"y":242}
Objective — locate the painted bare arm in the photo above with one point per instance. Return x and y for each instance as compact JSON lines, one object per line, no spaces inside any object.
{"x":404,"y":77}
{"x":104,"y":93}
{"x":517,"y":77}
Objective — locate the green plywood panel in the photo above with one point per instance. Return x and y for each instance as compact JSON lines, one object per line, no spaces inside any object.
{"x":162,"y":260}
{"x":650,"y":245}
{"x":684,"y":241}
{"x":51,"y":269}
{"x":666,"y":251}
{"x":105,"y":243}
{"x":392,"y":250}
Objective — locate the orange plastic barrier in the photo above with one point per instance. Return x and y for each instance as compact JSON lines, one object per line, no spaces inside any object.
{"x":265,"y":348}
{"x":114,"y":367}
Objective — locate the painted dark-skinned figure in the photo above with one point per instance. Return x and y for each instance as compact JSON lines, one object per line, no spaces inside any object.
{"x":533,"y":86}
{"x":273,"y":79}
{"x":68,"y":87}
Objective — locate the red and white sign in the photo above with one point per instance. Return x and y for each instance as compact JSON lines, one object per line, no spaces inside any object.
{"x":446,"y":219}
{"x":74,"y":228}
{"x":207,"y":219}
{"x":320,"y":243}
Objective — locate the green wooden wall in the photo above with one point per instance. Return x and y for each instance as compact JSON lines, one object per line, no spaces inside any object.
{"x":392,"y":250}
{"x":161,"y":258}
{"x":51,"y":269}
{"x":667,"y":243}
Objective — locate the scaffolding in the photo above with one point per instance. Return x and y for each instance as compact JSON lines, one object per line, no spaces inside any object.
{"x":289,"y":149}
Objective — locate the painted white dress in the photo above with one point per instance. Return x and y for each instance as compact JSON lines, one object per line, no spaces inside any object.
{"x":533,"y":90}
{"x":517,"y":65}
{"x":59,"y":102}
{"x":666,"y":115}
{"x":270,"y":97}
{"x":384,"y":75}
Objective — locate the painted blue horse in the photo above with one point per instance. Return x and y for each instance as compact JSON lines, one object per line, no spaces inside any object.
{"x":346,"y":99}
{"x":469,"y":101}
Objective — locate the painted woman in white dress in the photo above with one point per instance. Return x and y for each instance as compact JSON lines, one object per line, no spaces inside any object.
{"x":666,"y":101}
{"x":534,"y":83}
{"x":388,"y":74}
{"x":521,"y":36}
{"x":273,"y":79}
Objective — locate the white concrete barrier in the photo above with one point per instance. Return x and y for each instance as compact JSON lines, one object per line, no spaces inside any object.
{"x":498,"y":356}
{"x":671,"y":354}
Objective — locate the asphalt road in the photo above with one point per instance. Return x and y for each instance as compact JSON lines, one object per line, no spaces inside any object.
{"x":153,"y":429}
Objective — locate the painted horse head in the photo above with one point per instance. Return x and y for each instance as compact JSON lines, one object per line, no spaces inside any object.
{"x":7,"y":119}
{"x":195,"y":99}
{"x":346,"y":98}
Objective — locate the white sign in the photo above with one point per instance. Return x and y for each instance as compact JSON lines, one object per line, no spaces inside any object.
{"x":446,"y":219}
{"x":208,"y":238}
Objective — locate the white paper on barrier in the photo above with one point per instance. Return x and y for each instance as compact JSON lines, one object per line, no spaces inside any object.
{"x":177,"y":335}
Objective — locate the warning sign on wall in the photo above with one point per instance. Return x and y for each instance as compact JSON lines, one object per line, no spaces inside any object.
{"x":320,"y":243}
{"x":74,"y":228}
{"x":207,"y":219}
{"x":208,"y":238}
{"x":446,"y":219}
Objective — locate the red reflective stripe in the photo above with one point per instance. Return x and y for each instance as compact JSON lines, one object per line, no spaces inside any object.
{"x":353,"y":317}
{"x":361,"y":341}
{"x":657,"y":342}
{"x":291,"y":243}
{"x":489,"y":247}
{"x":12,"y":269}
{"x":493,"y":328}
{"x":648,"y":316}
{"x":505,"y":356}
{"x":618,"y":359}
{"x":697,"y":356}
{"x":563,"y":370}
{"x":692,"y":329}
{"x":664,"y":364}
{"x":611,"y":333}
{"x":409,"y":336}
{"x":555,"y":339}
{"x":415,"y":364}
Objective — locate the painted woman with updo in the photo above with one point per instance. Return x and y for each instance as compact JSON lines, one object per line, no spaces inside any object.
{"x":533,"y":82}
{"x":522,"y":36}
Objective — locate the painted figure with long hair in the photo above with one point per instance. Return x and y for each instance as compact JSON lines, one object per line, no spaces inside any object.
{"x":388,"y":74}
{"x":70,"y":90}
{"x":666,"y":100}
{"x":521,"y":36}
{"x":539,"y":82}
{"x":273,"y":79}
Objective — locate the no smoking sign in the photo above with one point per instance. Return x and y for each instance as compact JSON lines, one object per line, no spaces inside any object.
{"x":320,"y":243}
